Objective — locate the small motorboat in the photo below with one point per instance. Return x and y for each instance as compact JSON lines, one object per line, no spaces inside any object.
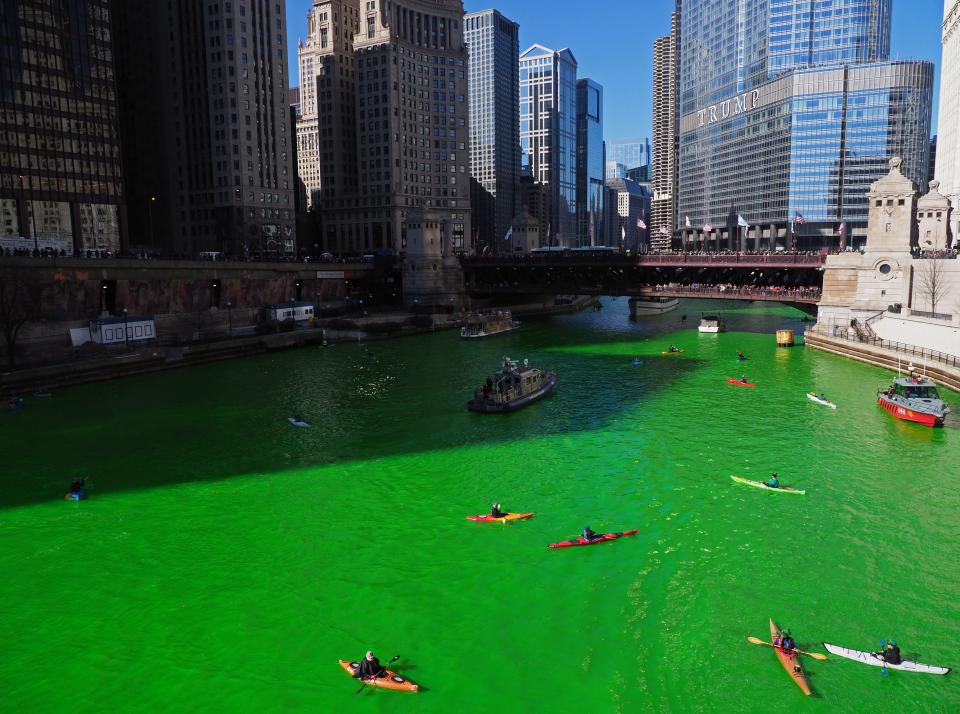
{"x":488,"y":324}
{"x":711,"y":324}
{"x":814,"y":397}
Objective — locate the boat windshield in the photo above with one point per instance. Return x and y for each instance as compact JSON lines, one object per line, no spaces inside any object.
{"x":921,"y":393}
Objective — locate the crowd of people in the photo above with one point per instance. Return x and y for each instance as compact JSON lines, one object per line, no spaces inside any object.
{"x":746,"y":291}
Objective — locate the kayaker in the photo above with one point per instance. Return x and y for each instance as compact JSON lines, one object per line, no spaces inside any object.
{"x":370,"y":667}
{"x":495,"y":511}
{"x":76,"y":488}
{"x":774,"y":482}
{"x":588,"y":534}
{"x":785,"y":641}
{"x":672,"y":348}
{"x":741,"y":357}
{"x":891,"y":655}
{"x":743,"y":379}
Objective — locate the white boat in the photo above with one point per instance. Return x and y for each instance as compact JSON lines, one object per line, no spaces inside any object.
{"x":874,"y":660}
{"x":711,"y":323}
{"x":642,"y":306}
{"x":813,"y":397}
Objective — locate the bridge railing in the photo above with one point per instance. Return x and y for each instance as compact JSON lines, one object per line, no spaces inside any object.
{"x":785,"y":294}
{"x":673,"y":259}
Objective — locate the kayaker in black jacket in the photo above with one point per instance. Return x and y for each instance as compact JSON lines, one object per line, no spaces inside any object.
{"x":77,"y":486}
{"x":589,"y":534}
{"x":785,"y":641}
{"x":370,"y":667}
{"x":495,"y":511}
{"x":892,"y":654}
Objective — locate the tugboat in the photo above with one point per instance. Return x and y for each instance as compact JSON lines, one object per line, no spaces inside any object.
{"x":511,"y":388}
{"x":487,"y":324}
{"x":711,"y":323}
{"x":914,"y":399}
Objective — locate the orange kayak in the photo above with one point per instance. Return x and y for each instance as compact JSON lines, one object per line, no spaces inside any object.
{"x":790,"y":661}
{"x":487,"y":518}
{"x":391,"y":681}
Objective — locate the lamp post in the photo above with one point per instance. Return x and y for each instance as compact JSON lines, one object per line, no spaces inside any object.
{"x":126,"y":338}
{"x":230,"y":316}
{"x":33,"y":215}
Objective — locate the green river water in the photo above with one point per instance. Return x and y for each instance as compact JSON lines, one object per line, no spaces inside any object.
{"x":226,"y":560}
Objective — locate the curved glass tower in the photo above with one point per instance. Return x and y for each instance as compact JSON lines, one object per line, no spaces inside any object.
{"x":791,"y":107}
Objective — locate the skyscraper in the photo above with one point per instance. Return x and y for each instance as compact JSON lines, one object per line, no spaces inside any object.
{"x":391,"y":126}
{"x":665,"y":90}
{"x":591,"y":166}
{"x":796,"y":112}
{"x":632,"y":153}
{"x":494,"y":81}
{"x":61,"y":184}
{"x":948,"y":129}
{"x":548,"y":133}
{"x":206,"y":125}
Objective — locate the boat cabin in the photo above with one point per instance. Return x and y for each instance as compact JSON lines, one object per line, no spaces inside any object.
{"x":915,"y":388}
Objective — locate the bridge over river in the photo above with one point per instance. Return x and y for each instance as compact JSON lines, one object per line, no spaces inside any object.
{"x":792,"y":278}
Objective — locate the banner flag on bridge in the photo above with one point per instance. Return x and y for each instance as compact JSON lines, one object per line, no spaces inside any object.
{"x":623,"y":232}
{"x":640,"y":224}
{"x":688,"y":221}
{"x":664,"y":231}
{"x":799,"y":219}
{"x":841,"y":228}
{"x":509,"y":233}
{"x":707,"y":228}
{"x":741,"y":222}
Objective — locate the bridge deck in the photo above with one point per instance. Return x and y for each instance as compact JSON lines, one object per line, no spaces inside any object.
{"x":691,"y":260}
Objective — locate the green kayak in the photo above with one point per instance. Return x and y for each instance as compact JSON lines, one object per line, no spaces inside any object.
{"x":761,"y":484}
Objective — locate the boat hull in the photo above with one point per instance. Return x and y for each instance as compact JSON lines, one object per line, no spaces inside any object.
{"x":480,"y":335}
{"x":487,"y":518}
{"x":391,"y":681}
{"x":738,"y":383}
{"x":874,"y":660}
{"x":482,"y":406}
{"x":606,"y":537}
{"x":640,"y":307}
{"x":911,"y":415}
{"x":790,"y":662}
{"x":814,"y":398}
{"x":761,"y":484}
{"x":710,"y":329}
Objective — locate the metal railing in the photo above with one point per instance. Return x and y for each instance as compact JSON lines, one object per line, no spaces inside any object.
{"x":899,"y":347}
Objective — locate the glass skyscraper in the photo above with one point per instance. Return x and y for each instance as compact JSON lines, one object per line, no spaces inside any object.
{"x":494,"y":88}
{"x":548,"y":134}
{"x":590,"y":163}
{"x":790,"y":107}
{"x":632,"y":153}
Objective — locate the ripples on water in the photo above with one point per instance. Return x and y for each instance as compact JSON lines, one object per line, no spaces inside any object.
{"x":227,"y":560}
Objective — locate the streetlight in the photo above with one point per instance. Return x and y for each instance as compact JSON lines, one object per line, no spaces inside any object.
{"x":33,"y":214}
{"x":126,"y":338}
{"x":230,"y":316}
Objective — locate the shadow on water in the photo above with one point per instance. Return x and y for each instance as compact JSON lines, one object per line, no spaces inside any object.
{"x":387,"y":398}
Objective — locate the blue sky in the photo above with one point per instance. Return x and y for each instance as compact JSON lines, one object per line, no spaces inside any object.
{"x":613,"y":43}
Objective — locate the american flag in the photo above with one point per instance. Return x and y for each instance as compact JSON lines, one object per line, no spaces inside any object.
{"x":799,"y":219}
{"x":707,"y":228}
{"x":640,"y":224}
{"x":841,"y":228}
{"x":664,"y":231}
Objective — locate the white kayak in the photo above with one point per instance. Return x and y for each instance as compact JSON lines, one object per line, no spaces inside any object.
{"x":814,"y":398}
{"x":761,"y":484}
{"x":301,"y":424}
{"x":873,"y":659}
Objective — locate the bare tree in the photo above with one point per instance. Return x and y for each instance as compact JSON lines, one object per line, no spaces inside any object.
{"x":931,"y":283}
{"x":20,"y":303}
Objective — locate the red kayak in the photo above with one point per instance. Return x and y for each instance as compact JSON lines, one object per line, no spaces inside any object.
{"x":740,"y":383}
{"x":599,"y":539}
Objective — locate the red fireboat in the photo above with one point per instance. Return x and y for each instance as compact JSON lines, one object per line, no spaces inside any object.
{"x":914,"y":399}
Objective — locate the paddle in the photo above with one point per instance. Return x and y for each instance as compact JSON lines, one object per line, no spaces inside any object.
{"x":883,"y":668}
{"x":815,"y":655}
{"x":366,"y":681}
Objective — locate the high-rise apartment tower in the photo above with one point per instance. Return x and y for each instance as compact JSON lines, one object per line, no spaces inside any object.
{"x":665,"y":85}
{"x":494,"y":82}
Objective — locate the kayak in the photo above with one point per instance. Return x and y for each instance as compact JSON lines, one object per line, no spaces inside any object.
{"x":740,"y":383}
{"x":790,"y":662}
{"x":487,"y":518}
{"x":75,"y":496}
{"x":761,"y":484}
{"x":675,"y":352}
{"x":301,"y":424}
{"x":872,"y":658}
{"x":814,"y":398}
{"x":391,"y":681}
{"x":599,"y":539}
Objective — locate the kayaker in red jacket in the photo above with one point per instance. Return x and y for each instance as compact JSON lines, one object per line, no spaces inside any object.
{"x":370,"y":667}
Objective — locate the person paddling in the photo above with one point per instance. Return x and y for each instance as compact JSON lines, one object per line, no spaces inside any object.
{"x":774,"y":482}
{"x":370,"y":668}
{"x":496,"y":512}
{"x":76,"y":488}
{"x":588,"y":534}
{"x":741,"y":357}
{"x":891,"y":655}
{"x":743,"y":379}
{"x":672,"y":348}
{"x":785,"y":641}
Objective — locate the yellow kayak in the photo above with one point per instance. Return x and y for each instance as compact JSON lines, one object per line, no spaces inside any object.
{"x":675,"y":352}
{"x":487,"y":518}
